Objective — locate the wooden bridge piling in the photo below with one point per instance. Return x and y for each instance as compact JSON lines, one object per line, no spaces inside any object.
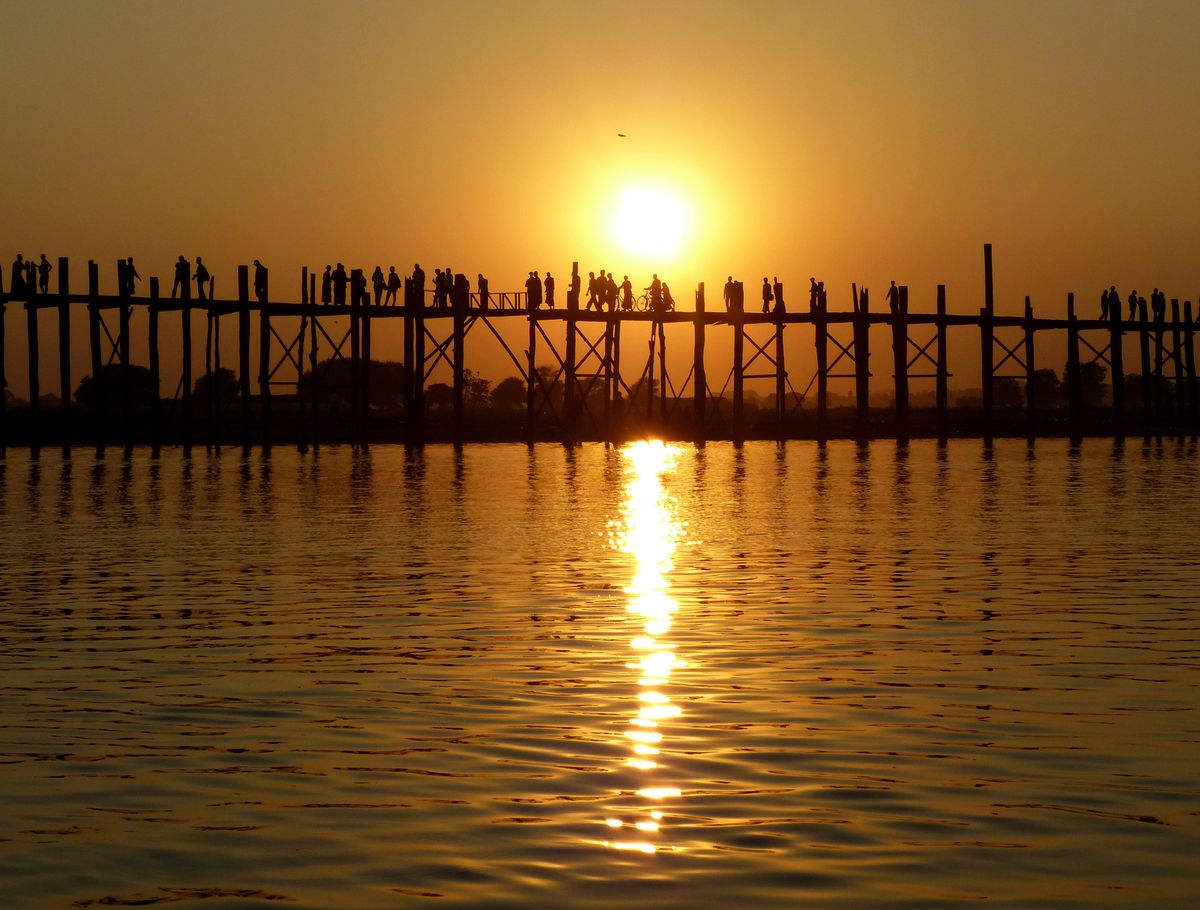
{"x":900,"y":363}
{"x":663,"y":381}
{"x":737,"y":316}
{"x":356,"y":404}
{"x":1177,"y":407}
{"x":461,"y":303}
{"x":264,"y":357}
{"x":1116,"y":359}
{"x":781,"y":401}
{"x":862,"y":366}
{"x":1030,"y":382}
{"x":125,"y":314}
{"x":942,"y":380}
{"x":99,"y":429}
{"x":64,"y":354}
{"x":35,"y":405}
{"x":821,"y":341}
{"x":156,"y":433}
{"x":699,"y":379}
{"x":418,"y":391}
{"x":1074,"y":387}
{"x":1144,"y":350}
{"x":301,"y":401}
{"x":314,"y":375}
{"x":364,"y":413}
{"x":3,"y":374}
{"x":185,"y":384}
{"x":569,"y":422}
{"x":987,"y":334}
{"x":1159,"y":382}
{"x":244,"y":353}
{"x":1189,"y":353}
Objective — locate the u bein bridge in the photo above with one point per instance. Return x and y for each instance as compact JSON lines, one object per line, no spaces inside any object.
{"x":584,"y":394}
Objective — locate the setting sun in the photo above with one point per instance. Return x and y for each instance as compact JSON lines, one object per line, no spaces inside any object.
{"x":650,"y":222}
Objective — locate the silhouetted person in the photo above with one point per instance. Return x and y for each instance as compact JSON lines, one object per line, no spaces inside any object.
{"x":530,"y":293}
{"x":378,"y":284}
{"x":393,"y":285}
{"x":824,"y":300}
{"x":1104,"y":303}
{"x":655,"y":289}
{"x":592,"y":298}
{"x":485,"y":296}
{"x":549,"y":285}
{"x":1158,"y":304}
{"x":813,"y":298}
{"x":327,"y":285}
{"x":447,"y":285}
{"x":537,"y":288}
{"x":778,"y":290}
{"x":418,"y":285}
{"x":202,"y":277}
{"x":358,"y":287}
{"x":1133,"y":305}
{"x":767,"y":296}
{"x":627,"y":294}
{"x":17,"y":285}
{"x":260,"y":281}
{"x":1114,"y":303}
{"x":893,"y":296}
{"x":340,"y":280}
{"x":668,"y":300}
{"x":183,"y":279}
{"x":610,"y":292}
{"x":129,"y":276}
{"x":44,"y":268}
{"x":728,"y":294}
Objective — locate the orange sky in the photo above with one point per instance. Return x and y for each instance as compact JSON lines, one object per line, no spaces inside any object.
{"x":857,"y":142}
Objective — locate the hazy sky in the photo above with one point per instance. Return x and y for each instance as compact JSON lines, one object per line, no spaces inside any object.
{"x":851,"y":141}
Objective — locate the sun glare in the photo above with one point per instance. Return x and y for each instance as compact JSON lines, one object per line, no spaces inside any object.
{"x":650,"y":222}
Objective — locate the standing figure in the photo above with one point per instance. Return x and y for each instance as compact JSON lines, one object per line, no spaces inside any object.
{"x":183,"y":279}
{"x":610,"y":292}
{"x":202,"y":277}
{"x":44,"y":269}
{"x":260,"y":281}
{"x":767,"y":296}
{"x":893,"y":296}
{"x":1114,"y":304}
{"x":591,"y":301}
{"x":668,"y":300}
{"x":418,"y":285}
{"x":131,"y":275}
{"x":813,"y":298}
{"x":1104,"y":305}
{"x":573,"y":291}
{"x":728,"y":295}
{"x":327,"y":285}
{"x":1133,"y":305}
{"x":778,"y":289}
{"x":655,"y":289}
{"x":340,"y":280}
{"x":484,"y":294}
{"x":549,"y":290}
{"x":17,"y":285}
{"x":393,"y":285}
{"x":378,"y":284}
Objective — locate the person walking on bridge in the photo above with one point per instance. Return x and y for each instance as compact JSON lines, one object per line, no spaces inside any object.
{"x":393,"y":285}
{"x":202,"y":277}
{"x":378,"y":284}
{"x":44,"y":267}
{"x":183,"y":279}
{"x":655,"y":289}
{"x":767,"y":296}
{"x":549,"y":290}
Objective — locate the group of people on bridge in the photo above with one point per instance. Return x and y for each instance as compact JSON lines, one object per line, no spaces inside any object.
{"x":29,"y":277}
{"x":1110,"y":305}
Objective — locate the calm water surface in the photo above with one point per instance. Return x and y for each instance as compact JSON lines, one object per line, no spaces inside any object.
{"x":649,"y":677}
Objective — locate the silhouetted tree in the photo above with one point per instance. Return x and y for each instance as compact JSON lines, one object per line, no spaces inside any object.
{"x":142,"y":390}
{"x":387,"y":383}
{"x":439,"y":397}
{"x":1091,"y":384}
{"x":476,"y":390}
{"x":1006,"y":393}
{"x":509,"y":394}
{"x":1046,"y":388}
{"x":225,"y":382}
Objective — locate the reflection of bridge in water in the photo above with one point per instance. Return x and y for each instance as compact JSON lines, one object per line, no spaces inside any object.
{"x":588,"y":391}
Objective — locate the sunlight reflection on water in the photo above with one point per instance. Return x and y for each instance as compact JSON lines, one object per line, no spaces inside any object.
{"x":649,"y":532}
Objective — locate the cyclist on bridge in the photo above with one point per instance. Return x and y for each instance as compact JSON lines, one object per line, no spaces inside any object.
{"x":655,"y":290}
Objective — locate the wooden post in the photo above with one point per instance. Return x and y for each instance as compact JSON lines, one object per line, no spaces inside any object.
{"x":862,"y":365}
{"x":942,"y":382}
{"x":460,"y":359}
{"x":821,"y":339}
{"x":1116,"y":356}
{"x":609,"y":376}
{"x":314,"y":379}
{"x":244,"y":351}
{"x":100,"y":431}
{"x":3,"y":374}
{"x":356,"y":282}
{"x":1189,"y":353}
{"x":569,"y":405}
{"x":185,"y":315}
{"x":64,"y":353}
{"x":418,"y":391}
{"x":780,"y":380}
{"x":1074,"y":389}
{"x":1177,"y":357}
{"x":663,"y":383}
{"x":126,"y":311}
{"x":1144,"y":350}
{"x":301,"y":401}
{"x":209,"y":397}
{"x":900,"y":362}
{"x":738,"y":317}
{"x":155,"y":371}
{"x":264,"y":362}
{"x":619,"y":411}
{"x":986,"y":338}
{"x":1159,"y":380}
{"x":531,"y":378}
{"x":35,"y":405}
{"x":364,"y":428}
{"x":1030,"y":385}
{"x":699,"y":379}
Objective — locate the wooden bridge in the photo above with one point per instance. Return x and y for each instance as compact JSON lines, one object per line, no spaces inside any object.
{"x":585,"y":394}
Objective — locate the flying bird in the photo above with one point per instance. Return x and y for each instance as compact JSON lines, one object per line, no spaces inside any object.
{"x":621,"y":135}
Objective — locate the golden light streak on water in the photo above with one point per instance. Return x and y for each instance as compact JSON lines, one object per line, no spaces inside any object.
{"x":649,"y":532}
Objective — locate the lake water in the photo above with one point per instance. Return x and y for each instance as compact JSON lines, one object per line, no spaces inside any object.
{"x":768,"y":676}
